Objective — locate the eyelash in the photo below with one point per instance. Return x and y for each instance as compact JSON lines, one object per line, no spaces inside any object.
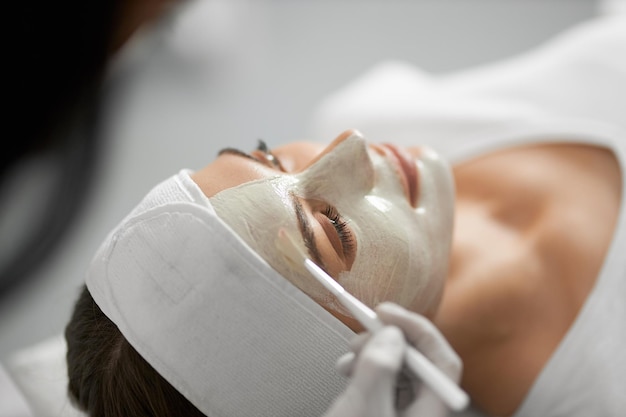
{"x":341,"y":226}
{"x":262,"y":147}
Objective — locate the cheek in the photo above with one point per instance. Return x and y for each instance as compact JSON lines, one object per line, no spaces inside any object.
{"x":398,"y":259}
{"x":385,"y":268}
{"x":381,"y":273}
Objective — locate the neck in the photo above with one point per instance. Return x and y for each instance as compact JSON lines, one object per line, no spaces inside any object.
{"x":532,"y":229}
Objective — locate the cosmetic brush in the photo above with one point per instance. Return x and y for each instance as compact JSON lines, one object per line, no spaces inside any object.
{"x":432,"y":376}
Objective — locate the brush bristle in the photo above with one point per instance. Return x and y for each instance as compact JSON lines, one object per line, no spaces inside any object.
{"x":286,"y":244}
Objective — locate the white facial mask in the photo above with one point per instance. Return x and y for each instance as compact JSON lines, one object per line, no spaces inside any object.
{"x":402,"y":252}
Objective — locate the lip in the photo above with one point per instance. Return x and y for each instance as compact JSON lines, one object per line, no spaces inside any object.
{"x":407,"y":169}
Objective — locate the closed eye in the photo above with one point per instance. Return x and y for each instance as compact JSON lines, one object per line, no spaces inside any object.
{"x":342,"y":230}
{"x":336,"y":230}
{"x":269,"y":157}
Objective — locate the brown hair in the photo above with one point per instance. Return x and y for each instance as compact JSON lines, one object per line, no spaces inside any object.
{"x":107,"y":377}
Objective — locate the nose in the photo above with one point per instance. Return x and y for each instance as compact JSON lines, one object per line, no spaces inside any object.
{"x":336,"y":142}
{"x":345,"y":165}
{"x":298,"y":156}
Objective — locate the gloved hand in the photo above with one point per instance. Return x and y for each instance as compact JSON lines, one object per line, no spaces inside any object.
{"x":378,"y":386}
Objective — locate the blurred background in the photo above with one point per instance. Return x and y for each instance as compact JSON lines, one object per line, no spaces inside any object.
{"x":225,"y":73}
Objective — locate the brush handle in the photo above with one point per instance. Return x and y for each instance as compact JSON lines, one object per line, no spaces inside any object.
{"x":444,"y":387}
{"x":423,"y":368}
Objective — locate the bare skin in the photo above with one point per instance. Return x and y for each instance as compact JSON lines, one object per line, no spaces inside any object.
{"x":532,"y":228}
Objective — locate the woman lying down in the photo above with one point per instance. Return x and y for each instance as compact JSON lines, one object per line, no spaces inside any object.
{"x":191,"y":308}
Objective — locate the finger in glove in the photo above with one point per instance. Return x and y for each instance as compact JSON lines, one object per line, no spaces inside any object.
{"x":424,"y":335}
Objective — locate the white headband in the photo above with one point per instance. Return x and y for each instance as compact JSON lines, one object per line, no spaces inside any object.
{"x":212,"y":317}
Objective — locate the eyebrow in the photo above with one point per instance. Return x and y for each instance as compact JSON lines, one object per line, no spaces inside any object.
{"x":307,"y":231}
{"x":235,"y":151}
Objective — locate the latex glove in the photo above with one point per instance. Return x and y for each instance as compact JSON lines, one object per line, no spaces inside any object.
{"x":378,"y":387}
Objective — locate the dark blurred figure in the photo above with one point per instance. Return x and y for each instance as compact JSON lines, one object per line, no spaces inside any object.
{"x":58,"y":56}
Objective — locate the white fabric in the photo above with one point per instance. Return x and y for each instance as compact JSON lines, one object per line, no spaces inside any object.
{"x":580,"y":74}
{"x":214,"y":319}
{"x":12,"y":402}
{"x":572,"y":89}
{"x":40,"y":374}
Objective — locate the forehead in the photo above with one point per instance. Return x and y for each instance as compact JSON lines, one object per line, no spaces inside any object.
{"x":265,"y":203}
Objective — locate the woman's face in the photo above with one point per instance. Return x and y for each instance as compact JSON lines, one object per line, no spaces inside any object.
{"x":377,"y":218}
